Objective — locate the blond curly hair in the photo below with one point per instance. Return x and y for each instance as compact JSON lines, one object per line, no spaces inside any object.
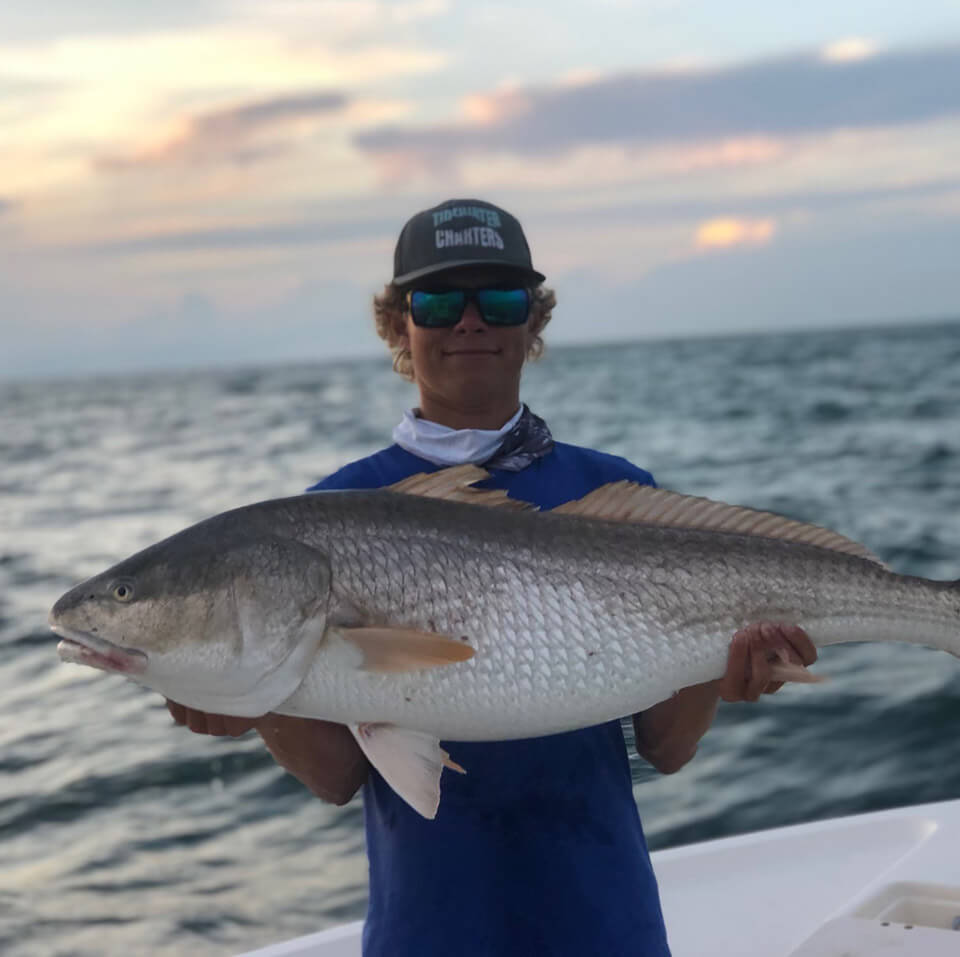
{"x":390,"y":306}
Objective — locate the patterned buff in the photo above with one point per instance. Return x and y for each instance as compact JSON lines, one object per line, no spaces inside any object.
{"x":529,"y":439}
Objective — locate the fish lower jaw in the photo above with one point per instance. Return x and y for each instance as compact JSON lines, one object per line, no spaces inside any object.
{"x":82,"y":648}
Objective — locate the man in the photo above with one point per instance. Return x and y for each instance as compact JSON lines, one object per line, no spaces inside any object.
{"x":539,"y":850}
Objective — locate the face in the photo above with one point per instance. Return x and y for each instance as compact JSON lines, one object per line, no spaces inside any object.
{"x":471,"y":365}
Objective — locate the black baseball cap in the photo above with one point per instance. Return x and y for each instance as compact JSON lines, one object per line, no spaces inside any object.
{"x":457,"y":233}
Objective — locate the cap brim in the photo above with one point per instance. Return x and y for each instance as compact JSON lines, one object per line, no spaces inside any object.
{"x":437,"y":268}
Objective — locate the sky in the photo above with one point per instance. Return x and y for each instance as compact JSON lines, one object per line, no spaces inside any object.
{"x":208,"y":182}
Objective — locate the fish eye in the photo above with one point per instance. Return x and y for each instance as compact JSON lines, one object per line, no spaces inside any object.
{"x":122,"y":591}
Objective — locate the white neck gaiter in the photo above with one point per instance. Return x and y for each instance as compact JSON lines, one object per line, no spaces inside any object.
{"x":444,"y":446}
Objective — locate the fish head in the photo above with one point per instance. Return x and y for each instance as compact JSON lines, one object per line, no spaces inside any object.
{"x":218,"y":617}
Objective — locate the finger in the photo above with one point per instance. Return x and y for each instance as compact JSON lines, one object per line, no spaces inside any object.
{"x":800,"y":641}
{"x":777,"y":641}
{"x":734,"y":680}
{"x":196,"y":721}
{"x":235,"y":726}
{"x":759,"y":676}
{"x":215,"y":725}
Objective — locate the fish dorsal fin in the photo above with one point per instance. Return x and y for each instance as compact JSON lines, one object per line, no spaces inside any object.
{"x":455,"y":485}
{"x":626,"y":501}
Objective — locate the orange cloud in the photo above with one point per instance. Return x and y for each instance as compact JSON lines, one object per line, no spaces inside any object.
{"x":732,"y":152}
{"x":240,"y":133}
{"x":851,"y":49}
{"x":720,"y":233}
{"x":489,"y":109}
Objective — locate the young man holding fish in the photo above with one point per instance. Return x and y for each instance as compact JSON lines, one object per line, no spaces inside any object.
{"x":538,"y":849}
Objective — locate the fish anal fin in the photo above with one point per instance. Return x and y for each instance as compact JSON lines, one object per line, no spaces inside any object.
{"x":455,"y":484}
{"x":395,"y":650}
{"x":626,"y":501}
{"x":411,"y":762}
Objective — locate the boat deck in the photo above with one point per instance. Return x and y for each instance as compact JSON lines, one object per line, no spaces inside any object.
{"x":886,"y":882}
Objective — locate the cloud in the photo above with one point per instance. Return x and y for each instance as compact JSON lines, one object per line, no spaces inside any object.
{"x":799,"y":282}
{"x":752,"y":209}
{"x":414,"y":10}
{"x":853,"y":48}
{"x":13,"y":86}
{"x":807,"y":200}
{"x":345,"y":21}
{"x":785,"y":96}
{"x":238,"y":134}
{"x":312,"y":321}
{"x":900,"y":272}
{"x":251,"y":237}
{"x":95,"y":114}
{"x":21,"y":22}
{"x":720,"y":233}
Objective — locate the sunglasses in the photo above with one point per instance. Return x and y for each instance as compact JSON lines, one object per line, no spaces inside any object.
{"x":443,"y":310}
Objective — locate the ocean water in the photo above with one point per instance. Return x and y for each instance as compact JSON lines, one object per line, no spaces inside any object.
{"x":122,"y":834}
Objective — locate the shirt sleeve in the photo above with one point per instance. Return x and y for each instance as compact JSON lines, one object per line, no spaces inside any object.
{"x":375,"y":471}
{"x":616,"y":469}
{"x":360,"y":474}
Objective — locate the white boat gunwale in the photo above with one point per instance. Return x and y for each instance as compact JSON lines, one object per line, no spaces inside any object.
{"x":802,"y":890}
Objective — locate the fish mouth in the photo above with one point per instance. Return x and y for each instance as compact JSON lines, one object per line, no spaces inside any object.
{"x":82,"y":648}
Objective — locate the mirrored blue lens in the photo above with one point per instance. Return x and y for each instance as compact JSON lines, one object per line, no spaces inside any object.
{"x":437,"y":309}
{"x":503,"y":307}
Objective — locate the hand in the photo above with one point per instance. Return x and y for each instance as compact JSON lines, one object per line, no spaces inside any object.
{"x":322,"y":755}
{"x":753,"y":652}
{"x":202,"y":722}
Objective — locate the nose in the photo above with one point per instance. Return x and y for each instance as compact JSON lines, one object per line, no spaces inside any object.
{"x":471,"y":320}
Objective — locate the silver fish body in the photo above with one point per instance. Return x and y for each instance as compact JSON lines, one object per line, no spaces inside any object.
{"x":576,"y":621}
{"x":559,"y":621}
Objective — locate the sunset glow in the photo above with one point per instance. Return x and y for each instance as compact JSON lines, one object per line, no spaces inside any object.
{"x":265,"y":155}
{"x":733,"y":232}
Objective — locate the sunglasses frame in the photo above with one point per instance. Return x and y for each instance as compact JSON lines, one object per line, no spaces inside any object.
{"x":469,"y":295}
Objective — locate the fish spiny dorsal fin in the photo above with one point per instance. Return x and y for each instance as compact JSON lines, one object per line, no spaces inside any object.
{"x":628,"y":502}
{"x":455,"y":485}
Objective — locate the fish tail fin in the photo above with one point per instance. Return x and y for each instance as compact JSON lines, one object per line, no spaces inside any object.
{"x":949,"y":594}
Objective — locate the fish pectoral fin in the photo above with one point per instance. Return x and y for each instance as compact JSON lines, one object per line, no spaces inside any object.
{"x":395,"y":650}
{"x":786,"y":670}
{"x":455,"y":484}
{"x":411,"y":762}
